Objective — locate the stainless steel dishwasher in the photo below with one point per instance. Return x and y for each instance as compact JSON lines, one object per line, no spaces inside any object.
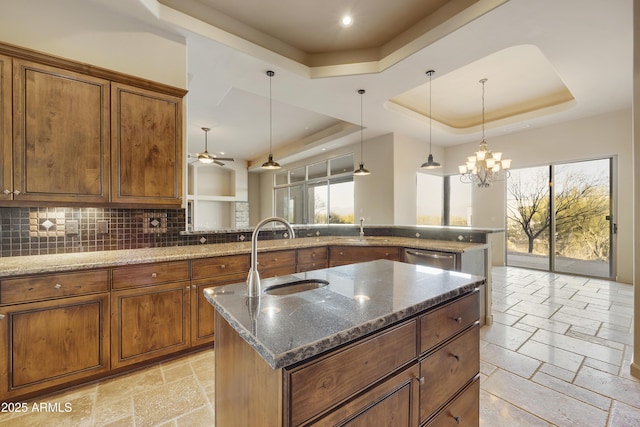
{"x":443,"y":260}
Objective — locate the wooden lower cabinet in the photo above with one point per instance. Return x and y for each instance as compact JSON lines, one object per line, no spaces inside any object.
{"x":149,"y":322}
{"x":463,"y":411}
{"x":51,"y":343}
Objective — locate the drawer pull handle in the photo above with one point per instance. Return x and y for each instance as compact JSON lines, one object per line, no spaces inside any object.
{"x":457,"y":357}
{"x":154,"y":275}
{"x":16,"y":192}
{"x":6,"y":191}
{"x":458,"y":419}
{"x":458,"y":319}
{"x":2,"y":316}
{"x":57,"y":286}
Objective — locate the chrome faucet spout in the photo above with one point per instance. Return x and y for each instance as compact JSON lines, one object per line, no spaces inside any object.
{"x":253,"y":278}
{"x":361,"y":228}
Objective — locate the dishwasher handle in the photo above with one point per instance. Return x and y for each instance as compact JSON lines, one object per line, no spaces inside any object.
{"x":431,"y":255}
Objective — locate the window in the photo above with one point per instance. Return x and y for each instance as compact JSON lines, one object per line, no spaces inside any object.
{"x":442,"y":200}
{"x":320,"y":193}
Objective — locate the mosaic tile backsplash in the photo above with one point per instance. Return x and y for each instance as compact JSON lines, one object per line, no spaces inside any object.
{"x":39,"y":231}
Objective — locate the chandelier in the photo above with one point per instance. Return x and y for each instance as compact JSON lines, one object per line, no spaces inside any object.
{"x":485,"y":166}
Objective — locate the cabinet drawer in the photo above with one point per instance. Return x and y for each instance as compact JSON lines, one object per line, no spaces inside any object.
{"x":321,"y":384}
{"x":447,"y":370}
{"x":150,"y":274}
{"x":34,"y":288}
{"x":445,"y":322}
{"x":463,"y":411}
{"x":312,"y":255}
{"x":216,"y":266}
{"x":276,"y":259}
{"x":353,"y":254}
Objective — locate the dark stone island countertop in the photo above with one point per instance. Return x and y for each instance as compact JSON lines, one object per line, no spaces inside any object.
{"x":360,"y":299}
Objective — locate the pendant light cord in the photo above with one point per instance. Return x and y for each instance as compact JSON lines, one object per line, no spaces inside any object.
{"x":270,"y":74}
{"x":430,"y":73}
{"x":361,"y":92}
{"x":483,"y":82}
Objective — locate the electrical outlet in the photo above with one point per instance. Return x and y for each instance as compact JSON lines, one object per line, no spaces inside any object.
{"x":103,"y":227}
{"x":71,"y":226}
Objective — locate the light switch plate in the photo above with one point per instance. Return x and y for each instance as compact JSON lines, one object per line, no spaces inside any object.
{"x":71,"y":226}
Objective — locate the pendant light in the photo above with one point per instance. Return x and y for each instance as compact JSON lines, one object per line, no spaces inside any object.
{"x":361,"y":171}
{"x":270,"y":164}
{"x":430,"y":164}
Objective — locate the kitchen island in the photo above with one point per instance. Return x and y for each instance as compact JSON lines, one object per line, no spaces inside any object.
{"x":384,"y":343}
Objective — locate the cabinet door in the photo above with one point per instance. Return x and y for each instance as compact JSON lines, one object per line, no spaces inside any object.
{"x":149,"y":322}
{"x":6,"y":168}
{"x":392,"y":403}
{"x":52,"y":343}
{"x":202,"y":312}
{"x":60,"y":135}
{"x":146,"y":146}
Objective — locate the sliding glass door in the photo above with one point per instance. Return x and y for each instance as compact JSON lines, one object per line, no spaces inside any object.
{"x":559,"y":218}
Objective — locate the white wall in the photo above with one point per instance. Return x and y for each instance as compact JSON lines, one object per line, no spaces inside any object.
{"x":635,"y":363}
{"x":593,"y":137}
{"x":84,"y":31}
{"x":408,"y":155}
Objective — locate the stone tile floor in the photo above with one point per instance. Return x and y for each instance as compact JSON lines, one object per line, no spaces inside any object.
{"x":557,"y":354}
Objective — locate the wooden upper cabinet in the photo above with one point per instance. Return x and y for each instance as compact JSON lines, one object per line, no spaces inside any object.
{"x":146,"y":146}
{"x":60,"y":135}
{"x":6,"y":176}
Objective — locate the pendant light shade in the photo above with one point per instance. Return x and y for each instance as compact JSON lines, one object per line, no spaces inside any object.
{"x":430,"y":163}
{"x":270,"y":164}
{"x":361,"y":171}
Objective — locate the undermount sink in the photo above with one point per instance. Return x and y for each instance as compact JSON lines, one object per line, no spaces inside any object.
{"x":295,"y":287}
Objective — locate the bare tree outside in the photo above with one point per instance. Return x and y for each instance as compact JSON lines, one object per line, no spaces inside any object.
{"x":581,"y":208}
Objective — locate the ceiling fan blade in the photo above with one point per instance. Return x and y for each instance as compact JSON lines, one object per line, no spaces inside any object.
{"x":218,"y":163}
{"x":224,"y":159}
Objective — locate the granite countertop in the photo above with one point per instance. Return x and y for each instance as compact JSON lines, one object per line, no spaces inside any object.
{"x":36,"y":264}
{"x":360,"y":299}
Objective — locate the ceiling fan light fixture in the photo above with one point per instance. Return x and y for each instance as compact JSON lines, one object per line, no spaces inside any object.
{"x":206,"y":157}
{"x":270,"y":164}
{"x":430,"y":163}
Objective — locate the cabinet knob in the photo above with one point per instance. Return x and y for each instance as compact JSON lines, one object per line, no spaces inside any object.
{"x":2,"y":316}
{"x":16,"y":192}
{"x":458,"y":419}
{"x":341,"y":253}
{"x":420,"y":380}
{"x":57,"y":286}
{"x":313,"y":254}
{"x":223,"y":266}
{"x":386,"y":254}
{"x":154,"y":275}
{"x":458,"y":319}
{"x":456,"y":356}
{"x":275,"y":260}
{"x":6,"y":191}
{"x":187,"y":287}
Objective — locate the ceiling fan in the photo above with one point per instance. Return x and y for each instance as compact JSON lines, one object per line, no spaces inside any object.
{"x":207,"y":157}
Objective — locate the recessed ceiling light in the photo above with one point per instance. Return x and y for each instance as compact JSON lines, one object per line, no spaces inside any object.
{"x":346,"y":21}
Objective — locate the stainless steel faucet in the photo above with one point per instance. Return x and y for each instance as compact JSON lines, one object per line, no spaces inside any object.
{"x":253,"y":278}
{"x":361,"y":227}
